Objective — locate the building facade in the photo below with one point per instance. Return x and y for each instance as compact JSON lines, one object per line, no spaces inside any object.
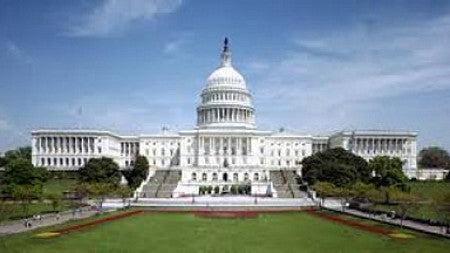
{"x":225,"y":146}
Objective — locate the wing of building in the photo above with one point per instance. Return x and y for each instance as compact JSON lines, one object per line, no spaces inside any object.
{"x":225,"y":148}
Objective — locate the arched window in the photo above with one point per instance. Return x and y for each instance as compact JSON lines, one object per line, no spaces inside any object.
{"x":235,"y":177}
{"x":204,"y":177}
{"x":214,"y":177}
{"x":194,"y":176}
{"x":79,"y":161}
{"x":245,"y":176}
{"x":256,"y":177}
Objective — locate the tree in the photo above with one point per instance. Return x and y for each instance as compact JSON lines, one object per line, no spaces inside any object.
{"x":2,"y":161}
{"x":346,"y":193}
{"x":361,"y":190}
{"x":442,"y":207}
{"x":406,"y":202}
{"x":323,"y":190}
{"x":19,"y":153}
{"x":55,"y":200}
{"x":388,"y":172}
{"x":25,"y":194}
{"x":434,"y":157}
{"x":100,"y":191}
{"x":216,"y":189}
{"x":138,"y":173}
{"x":124,"y":192}
{"x":100,"y":170}
{"x":337,"y":166}
{"x":21,"y":172}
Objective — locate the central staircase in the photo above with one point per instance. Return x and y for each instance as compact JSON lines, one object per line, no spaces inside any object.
{"x":161,"y":184}
{"x":286,"y":183}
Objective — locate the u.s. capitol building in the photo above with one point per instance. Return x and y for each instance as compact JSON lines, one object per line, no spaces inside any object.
{"x":225,"y":147}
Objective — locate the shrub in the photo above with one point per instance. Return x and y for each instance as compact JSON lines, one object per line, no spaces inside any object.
{"x":216,"y":189}
{"x":210,"y":188}
{"x":234,"y":189}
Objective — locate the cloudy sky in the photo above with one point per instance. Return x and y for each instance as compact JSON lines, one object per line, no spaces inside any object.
{"x":313,"y":66}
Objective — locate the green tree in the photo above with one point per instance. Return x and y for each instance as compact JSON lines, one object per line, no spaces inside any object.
{"x":434,"y":157}
{"x":388,"y":172}
{"x":100,"y":170}
{"x":99,"y":192}
{"x":337,"y":166}
{"x":442,"y":208}
{"x":19,"y":153}
{"x":2,"y":161}
{"x":55,"y":200}
{"x":25,"y":194}
{"x":361,"y":190}
{"x":124,"y":192}
{"x":138,"y":173}
{"x":216,"y":189}
{"x":406,"y":202}
{"x":21,"y":172}
{"x":346,"y":193}
{"x":323,"y":190}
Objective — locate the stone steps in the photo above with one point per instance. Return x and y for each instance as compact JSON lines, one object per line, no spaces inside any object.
{"x":161,"y":184}
{"x":286,"y":183}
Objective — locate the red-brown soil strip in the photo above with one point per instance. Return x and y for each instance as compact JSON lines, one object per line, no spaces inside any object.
{"x":351,"y":223}
{"x":96,"y":222}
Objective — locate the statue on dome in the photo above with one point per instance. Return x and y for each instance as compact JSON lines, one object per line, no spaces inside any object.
{"x":225,"y":45}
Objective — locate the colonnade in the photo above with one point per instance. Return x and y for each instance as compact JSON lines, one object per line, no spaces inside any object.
{"x":129,"y":148}
{"x":373,"y":145}
{"x":215,"y":115}
{"x":224,"y":96}
{"x":224,"y":145}
{"x":65,"y":145}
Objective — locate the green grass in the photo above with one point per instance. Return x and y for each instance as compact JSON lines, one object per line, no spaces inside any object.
{"x":15,"y":210}
{"x":287,"y":232}
{"x":52,"y":186}
{"x":58,"y":186}
{"x":428,"y":192}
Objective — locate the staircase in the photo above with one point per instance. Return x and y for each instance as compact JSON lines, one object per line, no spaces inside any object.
{"x":286,"y":184}
{"x":161,"y":185}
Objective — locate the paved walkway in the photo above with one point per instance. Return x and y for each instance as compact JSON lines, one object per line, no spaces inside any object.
{"x":18,"y":226}
{"x":437,"y":230}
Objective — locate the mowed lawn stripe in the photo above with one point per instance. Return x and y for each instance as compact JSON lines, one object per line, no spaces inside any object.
{"x":177,"y":232}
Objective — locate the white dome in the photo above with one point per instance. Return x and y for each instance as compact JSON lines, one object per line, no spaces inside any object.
{"x":225,"y":76}
{"x":225,"y":100}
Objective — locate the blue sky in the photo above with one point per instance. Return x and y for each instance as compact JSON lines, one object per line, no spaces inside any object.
{"x":313,"y":66}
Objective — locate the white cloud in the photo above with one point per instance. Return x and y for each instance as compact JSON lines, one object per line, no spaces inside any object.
{"x":332,"y":77}
{"x":17,"y":53}
{"x":113,"y":17}
{"x":256,"y":66}
{"x":176,"y":45}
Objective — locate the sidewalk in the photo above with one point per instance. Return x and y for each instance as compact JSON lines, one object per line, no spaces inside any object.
{"x":18,"y":226}
{"x":425,"y":228}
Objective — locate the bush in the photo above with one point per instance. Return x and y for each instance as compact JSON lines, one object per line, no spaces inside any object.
{"x":216,"y":189}
{"x":210,"y":189}
{"x":234,"y":189}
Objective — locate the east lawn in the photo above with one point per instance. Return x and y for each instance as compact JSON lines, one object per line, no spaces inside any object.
{"x":14,"y":210}
{"x":429,"y":193}
{"x":174,"y":232}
